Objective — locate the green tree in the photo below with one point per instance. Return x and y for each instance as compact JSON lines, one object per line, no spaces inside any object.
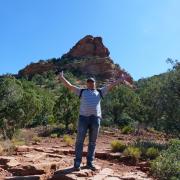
{"x":11,"y":94}
{"x":120,"y":104}
{"x":170,"y":98}
{"x":45,"y":115}
{"x":66,"y":108}
{"x":160,"y":96}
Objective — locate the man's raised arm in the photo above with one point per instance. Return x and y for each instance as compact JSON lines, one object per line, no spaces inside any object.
{"x":120,"y":80}
{"x":67,"y":83}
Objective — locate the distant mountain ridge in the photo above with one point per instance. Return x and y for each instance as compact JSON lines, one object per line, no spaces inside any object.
{"x":88,"y":57}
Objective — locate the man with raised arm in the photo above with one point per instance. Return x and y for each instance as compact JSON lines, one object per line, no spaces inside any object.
{"x":89,"y":116}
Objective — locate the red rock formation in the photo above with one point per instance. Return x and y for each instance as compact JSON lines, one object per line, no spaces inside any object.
{"x":37,"y":68}
{"x":88,"y":57}
{"x":103,"y":70}
{"x":88,"y":46}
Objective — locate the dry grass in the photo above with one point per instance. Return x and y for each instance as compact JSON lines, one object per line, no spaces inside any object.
{"x":36,"y":139}
{"x":68,"y":140}
{"x":6,"y":147}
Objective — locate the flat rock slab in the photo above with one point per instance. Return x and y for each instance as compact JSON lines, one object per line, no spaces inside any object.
{"x":8,"y":161}
{"x":135,"y":176}
{"x":34,"y":169}
{"x":70,"y":174}
{"x":103,"y":174}
{"x":84,"y":174}
{"x":24,"y":148}
{"x":54,"y":163}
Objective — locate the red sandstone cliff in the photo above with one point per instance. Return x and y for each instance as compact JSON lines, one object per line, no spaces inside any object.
{"x":89,"y":56}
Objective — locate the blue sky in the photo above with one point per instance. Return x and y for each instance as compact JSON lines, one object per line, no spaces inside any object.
{"x":140,"y":34}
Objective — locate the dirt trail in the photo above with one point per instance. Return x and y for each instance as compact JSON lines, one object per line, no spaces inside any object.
{"x":53,"y":159}
{"x":32,"y":162}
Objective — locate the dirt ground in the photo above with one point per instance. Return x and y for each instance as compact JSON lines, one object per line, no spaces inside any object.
{"x":52,"y":158}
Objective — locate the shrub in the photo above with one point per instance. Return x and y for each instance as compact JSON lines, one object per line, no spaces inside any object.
{"x":1,"y":150}
{"x":106,"y":123}
{"x":167,"y":164}
{"x":62,"y":126}
{"x":152,"y":130}
{"x":117,"y":146}
{"x":18,"y":142}
{"x":22,"y":136}
{"x":71,"y":127}
{"x":68,"y":140}
{"x":146,"y":144}
{"x":36,"y":139}
{"x":152,"y":153}
{"x":7,"y":147}
{"x":174,"y":143}
{"x":133,"y":152}
{"x":127,"y":129}
{"x":54,"y":135}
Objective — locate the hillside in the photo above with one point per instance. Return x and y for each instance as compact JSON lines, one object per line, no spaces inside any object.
{"x":88,"y":57}
{"x":38,"y":120}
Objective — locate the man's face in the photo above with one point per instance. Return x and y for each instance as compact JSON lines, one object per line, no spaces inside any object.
{"x":91,"y":85}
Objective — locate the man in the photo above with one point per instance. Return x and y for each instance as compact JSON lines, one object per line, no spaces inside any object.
{"x":89,"y":116}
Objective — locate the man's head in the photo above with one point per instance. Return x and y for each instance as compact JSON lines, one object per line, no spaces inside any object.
{"x":91,"y":83}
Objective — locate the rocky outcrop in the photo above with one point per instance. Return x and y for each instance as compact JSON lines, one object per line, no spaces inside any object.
{"x":37,"y":68}
{"x":88,"y":46}
{"x":89,"y":57}
{"x":51,"y":163}
{"x":104,"y":70}
{"x":37,"y":163}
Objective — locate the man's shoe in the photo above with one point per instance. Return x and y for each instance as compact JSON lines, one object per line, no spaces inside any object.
{"x":77,"y":168}
{"x":92,"y":167}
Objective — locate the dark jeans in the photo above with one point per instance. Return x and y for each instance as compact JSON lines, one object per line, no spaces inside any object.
{"x":85,"y":123}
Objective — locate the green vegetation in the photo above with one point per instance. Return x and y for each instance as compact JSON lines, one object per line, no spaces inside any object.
{"x":68,"y":140}
{"x":36,"y":139}
{"x":133,"y":152}
{"x":155,"y":103}
{"x":149,"y":149}
{"x":40,"y":100}
{"x":152,"y":152}
{"x":117,"y":146}
{"x":54,"y":135}
{"x":167,"y":165}
{"x":31,"y":103}
{"x":127,"y":129}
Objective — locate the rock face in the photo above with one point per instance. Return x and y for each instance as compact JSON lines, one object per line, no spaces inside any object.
{"x":88,"y":46}
{"x":37,"y":68}
{"x":36,"y":163}
{"x":89,"y":57}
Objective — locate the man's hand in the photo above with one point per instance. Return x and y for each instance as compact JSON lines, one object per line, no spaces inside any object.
{"x":127,"y":83}
{"x":66,"y":83}
{"x":120,"y":80}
